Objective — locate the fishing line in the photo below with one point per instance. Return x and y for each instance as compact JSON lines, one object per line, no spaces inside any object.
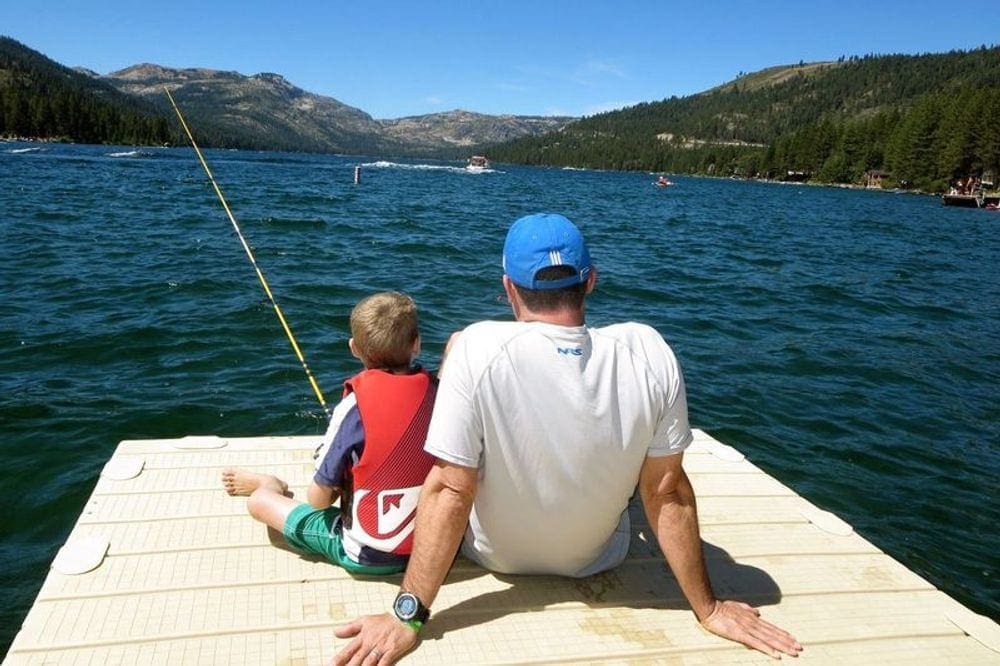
{"x":246,"y":246}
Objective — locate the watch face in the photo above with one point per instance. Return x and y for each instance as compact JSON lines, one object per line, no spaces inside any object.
{"x":406,"y":606}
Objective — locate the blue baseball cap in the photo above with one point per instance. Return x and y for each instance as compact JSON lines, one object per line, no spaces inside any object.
{"x":542,"y":240}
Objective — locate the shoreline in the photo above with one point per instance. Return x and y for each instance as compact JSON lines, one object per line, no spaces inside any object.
{"x":840,"y":186}
{"x":843,"y":186}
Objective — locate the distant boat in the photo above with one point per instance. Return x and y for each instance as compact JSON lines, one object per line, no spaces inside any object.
{"x":478,"y":163}
{"x":662,"y":181}
{"x":970,"y":200}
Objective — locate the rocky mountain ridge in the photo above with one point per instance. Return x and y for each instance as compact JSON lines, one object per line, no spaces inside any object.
{"x":266,"y":111}
{"x":467,"y":128}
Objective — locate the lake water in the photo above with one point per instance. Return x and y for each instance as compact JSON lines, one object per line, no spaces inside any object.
{"x":847,"y":341}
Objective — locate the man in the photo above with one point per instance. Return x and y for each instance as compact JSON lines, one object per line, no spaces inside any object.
{"x":542,"y":429}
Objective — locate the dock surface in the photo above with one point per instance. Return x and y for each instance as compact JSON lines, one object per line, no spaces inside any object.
{"x":163,"y":567}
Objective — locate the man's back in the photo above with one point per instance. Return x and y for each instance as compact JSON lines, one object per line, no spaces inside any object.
{"x":544,"y":429}
{"x":558,"y":420}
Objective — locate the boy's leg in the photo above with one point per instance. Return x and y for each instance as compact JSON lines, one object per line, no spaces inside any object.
{"x":311,"y":530}
{"x":267,"y":501}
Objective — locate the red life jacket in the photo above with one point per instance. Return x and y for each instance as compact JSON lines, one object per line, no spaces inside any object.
{"x":395,"y":413}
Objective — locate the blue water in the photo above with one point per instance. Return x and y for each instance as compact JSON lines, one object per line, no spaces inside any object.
{"x":847,"y":341}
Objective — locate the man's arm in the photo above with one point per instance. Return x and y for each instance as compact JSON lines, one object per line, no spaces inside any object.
{"x":442,"y":514}
{"x":669,"y":501}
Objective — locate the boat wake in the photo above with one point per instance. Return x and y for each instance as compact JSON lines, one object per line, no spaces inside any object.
{"x":18,"y":151}
{"x":383,"y":164}
{"x":132,"y":153}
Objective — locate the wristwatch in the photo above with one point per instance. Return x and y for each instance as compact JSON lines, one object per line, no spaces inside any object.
{"x":410,"y":610}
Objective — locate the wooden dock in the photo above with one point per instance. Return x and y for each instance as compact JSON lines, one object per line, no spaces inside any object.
{"x":164,"y":568}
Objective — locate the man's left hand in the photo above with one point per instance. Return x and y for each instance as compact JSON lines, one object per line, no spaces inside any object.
{"x":378,"y":639}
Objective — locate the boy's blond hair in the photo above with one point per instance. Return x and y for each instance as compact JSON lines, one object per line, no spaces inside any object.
{"x":384,"y":328}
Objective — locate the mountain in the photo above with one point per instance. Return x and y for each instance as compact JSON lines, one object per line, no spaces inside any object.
{"x":926,"y":119}
{"x":265,"y":111}
{"x":466,"y":129}
{"x":41,"y":98}
{"x":919,"y":121}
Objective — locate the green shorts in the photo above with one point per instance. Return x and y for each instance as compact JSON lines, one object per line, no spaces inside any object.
{"x":319,"y":532}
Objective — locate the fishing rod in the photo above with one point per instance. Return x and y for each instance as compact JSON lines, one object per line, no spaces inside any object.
{"x":253,"y":261}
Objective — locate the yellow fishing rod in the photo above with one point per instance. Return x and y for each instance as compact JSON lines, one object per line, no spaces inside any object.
{"x":246,"y":246}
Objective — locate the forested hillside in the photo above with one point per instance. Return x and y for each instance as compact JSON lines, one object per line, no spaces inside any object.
{"x":40,"y":98}
{"x":917,"y":121}
{"x":926,"y":120}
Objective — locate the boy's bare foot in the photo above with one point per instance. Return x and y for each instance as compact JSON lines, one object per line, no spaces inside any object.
{"x":242,"y":482}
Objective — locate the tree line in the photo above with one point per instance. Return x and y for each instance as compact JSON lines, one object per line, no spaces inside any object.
{"x":41,"y":99}
{"x":941,"y":138}
{"x":919,"y":121}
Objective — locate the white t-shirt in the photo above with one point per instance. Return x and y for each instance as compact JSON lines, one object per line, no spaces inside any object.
{"x":558,"y":420}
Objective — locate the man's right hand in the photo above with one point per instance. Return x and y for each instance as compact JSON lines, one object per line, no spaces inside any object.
{"x":742,"y":623}
{"x":378,"y":639}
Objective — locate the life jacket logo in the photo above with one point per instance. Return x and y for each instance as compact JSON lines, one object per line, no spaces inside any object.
{"x":393,"y":515}
{"x":567,"y":351}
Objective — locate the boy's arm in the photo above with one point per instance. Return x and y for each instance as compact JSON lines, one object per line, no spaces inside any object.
{"x":447,"y":349}
{"x":320,"y":496}
{"x":346,"y":435}
{"x":337,"y":416}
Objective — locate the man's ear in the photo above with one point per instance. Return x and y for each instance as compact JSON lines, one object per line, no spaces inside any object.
{"x":591,"y":279}
{"x":508,"y":286}
{"x":512,"y":297}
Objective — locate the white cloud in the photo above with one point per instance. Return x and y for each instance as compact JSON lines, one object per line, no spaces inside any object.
{"x":594,"y":109}
{"x":588,"y":73}
{"x":600,"y":68}
{"x":593,"y":72}
{"x":512,"y":87}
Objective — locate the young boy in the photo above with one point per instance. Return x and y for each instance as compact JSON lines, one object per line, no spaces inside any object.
{"x":372,"y":455}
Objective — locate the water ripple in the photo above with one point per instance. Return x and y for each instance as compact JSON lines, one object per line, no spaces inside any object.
{"x":847,"y":341}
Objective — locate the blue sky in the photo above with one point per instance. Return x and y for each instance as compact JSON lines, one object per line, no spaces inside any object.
{"x":394,"y":59}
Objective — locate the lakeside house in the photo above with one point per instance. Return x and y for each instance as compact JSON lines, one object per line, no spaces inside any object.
{"x":873,"y":178}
